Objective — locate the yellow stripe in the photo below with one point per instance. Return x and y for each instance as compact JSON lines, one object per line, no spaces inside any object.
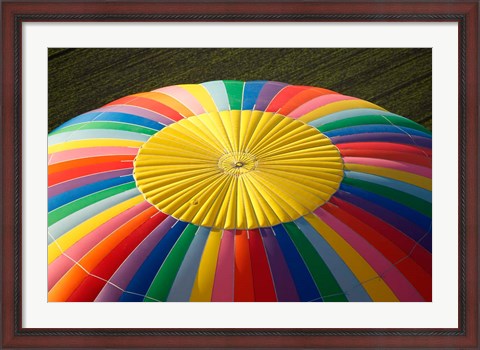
{"x":56,"y":248}
{"x":203,"y":286}
{"x":414,"y":179}
{"x":337,"y":107}
{"x":64,"y":146}
{"x":374,"y":285}
{"x":202,"y":95}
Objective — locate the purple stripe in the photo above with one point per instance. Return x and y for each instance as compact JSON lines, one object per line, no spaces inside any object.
{"x":85,"y":180}
{"x":140,"y":112}
{"x":267,"y":93}
{"x":408,"y":227}
{"x":59,"y":267}
{"x":385,"y":137}
{"x":130,"y":266}
{"x":284,"y":285}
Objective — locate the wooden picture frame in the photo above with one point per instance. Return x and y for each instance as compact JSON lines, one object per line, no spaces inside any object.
{"x":15,"y":13}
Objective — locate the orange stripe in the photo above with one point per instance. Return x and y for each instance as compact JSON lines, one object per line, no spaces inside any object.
{"x":168,"y":101}
{"x":147,"y":103}
{"x":77,"y":163}
{"x":243,"y":270}
{"x":75,"y":276}
{"x":302,"y":98}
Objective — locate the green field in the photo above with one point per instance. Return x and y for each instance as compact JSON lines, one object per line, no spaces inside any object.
{"x":80,"y":80}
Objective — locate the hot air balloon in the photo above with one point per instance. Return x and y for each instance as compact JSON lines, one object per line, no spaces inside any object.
{"x":232,"y":191}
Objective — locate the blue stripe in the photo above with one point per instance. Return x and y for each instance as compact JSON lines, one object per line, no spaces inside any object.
{"x":114,"y":117}
{"x":419,"y":141}
{"x":350,"y":285}
{"x":183,"y":284}
{"x":70,"y":196}
{"x":413,"y":190}
{"x":306,"y":288}
{"x":406,"y":212}
{"x":143,"y":278}
{"x":389,"y":211}
{"x":365,"y":129}
{"x":250,"y":93}
{"x":61,"y":227}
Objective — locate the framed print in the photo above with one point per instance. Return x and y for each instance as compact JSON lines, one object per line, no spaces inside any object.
{"x":207,"y":174}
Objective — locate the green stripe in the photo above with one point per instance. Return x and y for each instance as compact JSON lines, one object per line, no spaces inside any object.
{"x":70,"y":208}
{"x":418,"y":204}
{"x":235,"y":93}
{"x":106,"y":125}
{"x":373,"y":119}
{"x":161,"y":285}
{"x":324,"y":279}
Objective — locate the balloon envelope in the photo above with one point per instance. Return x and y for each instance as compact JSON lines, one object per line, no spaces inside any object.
{"x":239,"y":191}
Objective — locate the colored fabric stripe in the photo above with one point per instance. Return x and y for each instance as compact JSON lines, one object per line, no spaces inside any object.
{"x":330,"y":229}
{"x":306,"y":288}
{"x":64,"y":288}
{"x":224,"y":273}
{"x":162,"y":283}
{"x":350,"y":285}
{"x":244,"y":289}
{"x":58,"y":267}
{"x":93,"y":284}
{"x":111,"y":117}
{"x":118,"y":283}
{"x":203,"y":285}
{"x":138,"y":286}
{"x":321,"y":274}
{"x":263,"y":286}
{"x":250,"y":94}
{"x":401,"y":261}
{"x":185,"y":278}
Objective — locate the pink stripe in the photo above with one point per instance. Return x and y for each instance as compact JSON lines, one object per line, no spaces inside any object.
{"x":184,"y":97}
{"x":90,"y":152}
{"x":58,"y":267}
{"x":137,"y":111}
{"x":400,"y":286}
{"x":318,"y":102}
{"x":119,"y":281}
{"x":223,"y":284}
{"x":383,"y":163}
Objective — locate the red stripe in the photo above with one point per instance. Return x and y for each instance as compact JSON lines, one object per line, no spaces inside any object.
{"x":262,"y":277}
{"x":148,"y":104}
{"x":243,"y":270}
{"x":302,"y":98}
{"x":410,"y":158}
{"x":70,"y":174}
{"x":77,"y":163}
{"x":420,"y":255}
{"x":91,"y":286}
{"x":385,"y":146}
{"x":419,"y":279}
{"x":284,"y":96}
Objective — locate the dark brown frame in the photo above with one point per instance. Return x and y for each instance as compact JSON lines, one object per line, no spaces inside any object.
{"x":14,"y":13}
